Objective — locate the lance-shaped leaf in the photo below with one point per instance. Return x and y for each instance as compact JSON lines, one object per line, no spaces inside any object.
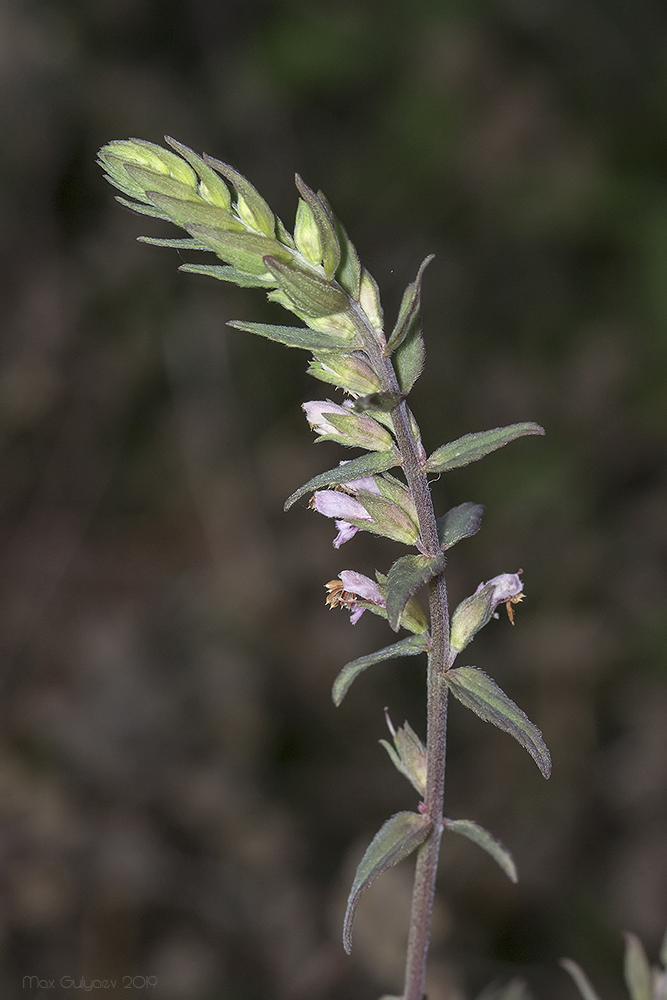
{"x":330,"y":249}
{"x":211,"y":187}
{"x":187,"y":243}
{"x":348,"y":274}
{"x":458,"y":523}
{"x":365,"y":465}
{"x":408,"y":314}
{"x":250,"y":205}
{"x":291,"y":336}
{"x":408,"y":359}
{"x":187,"y":213}
{"x":411,"y":646}
{"x":311,"y":295}
{"x":488,"y":843}
{"x":243,"y":250}
{"x":638,"y":977}
{"x":395,"y":840}
{"x":406,"y":576}
{"x":139,"y":208}
{"x":225,"y":273}
{"x":581,"y":979}
{"x":480,"y":693}
{"x":472,"y":447}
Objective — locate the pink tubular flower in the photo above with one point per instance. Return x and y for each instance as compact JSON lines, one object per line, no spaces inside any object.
{"x":334,"y":503}
{"x":347,"y":590}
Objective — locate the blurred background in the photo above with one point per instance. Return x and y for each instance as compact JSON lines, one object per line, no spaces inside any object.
{"x":179,"y":798}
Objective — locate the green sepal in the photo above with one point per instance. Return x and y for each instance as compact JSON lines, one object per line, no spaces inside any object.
{"x":395,"y":841}
{"x":211,"y":187}
{"x":311,"y":295}
{"x":365,"y":465}
{"x":472,"y":447}
{"x":406,"y":576}
{"x":347,"y":371}
{"x":480,"y":693}
{"x":329,"y":247}
{"x":186,"y":243}
{"x":637,"y":971}
{"x":408,"y":360}
{"x":580,"y":978}
{"x":458,"y":523}
{"x":413,"y":617}
{"x":228,"y":273}
{"x":291,"y":336}
{"x":138,"y":207}
{"x":408,"y":314}
{"x":245,"y":251}
{"x":115,"y":156}
{"x":250,"y":205}
{"x":481,"y":837}
{"x":394,"y":490}
{"x":369,"y":300}
{"x":412,"y":646}
{"x":348,"y":274}
{"x":389,"y":520}
{"x":408,"y":755}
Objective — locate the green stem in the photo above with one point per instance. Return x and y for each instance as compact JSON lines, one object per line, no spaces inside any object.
{"x":426,"y":869}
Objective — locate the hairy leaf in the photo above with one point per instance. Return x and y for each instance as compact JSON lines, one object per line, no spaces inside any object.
{"x":481,"y":837}
{"x":408,"y":314}
{"x":187,"y":243}
{"x":637,"y":971}
{"x":408,"y":359}
{"x":406,"y":576}
{"x":472,"y":447}
{"x":250,"y":205}
{"x":458,"y":523}
{"x":581,"y":979}
{"x":243,"y":250}
{"x":190,"y":213}
{"x":365,"y":465}
{"x":311,"y":295}
{"x":137,"y":207}
{"x":226,"y":273}
{"x":291,"y":336}
{"x":480,"y":693}
{"x":395,"y":840}
{"x":411,"y":646}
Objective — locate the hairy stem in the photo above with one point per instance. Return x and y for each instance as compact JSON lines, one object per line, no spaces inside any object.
{"x":426,"y":869}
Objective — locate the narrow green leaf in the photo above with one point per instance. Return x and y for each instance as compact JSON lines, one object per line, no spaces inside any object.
{"x":406,"y":576}
{"x":480,"y":693}
{"x":581,"y":979}
{"x":472,"y":447}
{"x":365,"y":465}
{"x":408,"y":314}
{"x":348,"y":274}
{"x":250,"y":205}
{"x":408,"y":360}
{"x":136,"y":206}
{"x":328,"y":238}
{"x":637,"y":971}
{"x":243,"y":250}
{"x":291,"y":336}
{"x":458,"y":523}
{"x":225,"y":273}
{"x":193,"y":213}
{"x":395,"y":840}
{"x":488,"y":843}
{"x":412,"y":646}
{"x":187,"y":243}
{"x":211,"y":187}
{"x":148,"y":180}
{"x":311,"y":295}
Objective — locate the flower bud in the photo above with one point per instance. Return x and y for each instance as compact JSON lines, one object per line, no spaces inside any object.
{"x":477,"y":610}
{"x":347,"y":371}
{"x":340,"y":423}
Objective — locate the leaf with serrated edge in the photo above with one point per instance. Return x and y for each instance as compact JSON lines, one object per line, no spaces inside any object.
{"x":472,"y":447}
{"x":395,"y":840}
{"x":581,"y":979}
{"x":365,"y":465}
{"x":458,"y":523}
{"x":481,"y":837}
{"x":291,"y":336}
{"x":411,"y":646}
{"x":480,"y":693}
{"x":637,"y":971}
{"x":405,"y":577}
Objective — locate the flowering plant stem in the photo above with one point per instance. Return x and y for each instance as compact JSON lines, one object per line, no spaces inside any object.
{"x":316,"y":274}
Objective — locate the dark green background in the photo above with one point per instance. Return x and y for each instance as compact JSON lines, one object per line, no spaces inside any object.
{"x":179,"y":797}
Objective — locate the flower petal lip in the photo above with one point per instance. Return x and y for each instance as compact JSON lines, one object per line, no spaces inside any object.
{"x":315,"y":412}
{"x":346,"y":531}
{"x":334,"y":503}
{"x":362,"y":586}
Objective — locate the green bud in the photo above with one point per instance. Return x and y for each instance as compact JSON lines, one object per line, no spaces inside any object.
{"x":311,"y":295}
{"x":369,"y":300}
{"x":211,"y":187}
{"x":250,"y":205}
{"x":116,"y":156}
{"x":477,"y":610}
{"x":346,"y":371}
{"x":306,"y":234}
{"x":408,"y":754}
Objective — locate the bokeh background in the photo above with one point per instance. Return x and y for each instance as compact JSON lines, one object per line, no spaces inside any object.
{"x":179,"y":797}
